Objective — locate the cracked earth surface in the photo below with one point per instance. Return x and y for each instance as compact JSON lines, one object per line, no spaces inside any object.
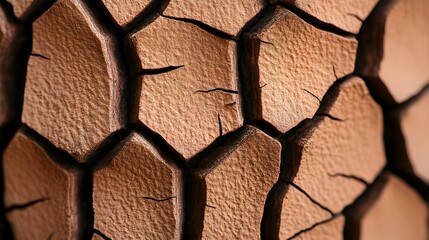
{"x":249,"y":119}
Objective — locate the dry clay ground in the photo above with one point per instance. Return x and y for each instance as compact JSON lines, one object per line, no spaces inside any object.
{"x":215,"y":119}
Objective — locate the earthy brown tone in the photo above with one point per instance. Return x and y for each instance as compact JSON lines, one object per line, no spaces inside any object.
{"x":243,"y":119}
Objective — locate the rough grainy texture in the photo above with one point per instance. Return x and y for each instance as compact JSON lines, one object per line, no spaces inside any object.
{"x":332,"y":230}
{"x":298,"y":213}
{"x":169,"y":103}
{"x":31,"y":175}
{"x":399,"y":213}
{"x":406,"y":45}
{"x":124,"y":11}
{"x":290,"y":69}
{"x":67,"y":96}
{"x":240,"y":119}
{"x":415,"y":126}
{"x":135,"y":197}
{"x":237,"y":189}
{"x":346,"y":14}
{"x":225,"y":15}
{"x":353,"y":146}
{"x":19,"y":6}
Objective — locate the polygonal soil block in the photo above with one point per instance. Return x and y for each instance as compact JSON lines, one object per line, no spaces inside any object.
{"x":67,"y":97}
{"x":300,"y":60}
{"x":31,"y":175}
{"x":124,"y":11}
{"x":169,"y":103}
{"x":415,"y":127}
{"x":345,"y":14}
{"x":227,"y":16}
{"x":238,"y":187}
{"x":398,"y":213}
{"x":135,"y":196}
{"x":352,"y":146}
{"x":406,"y":45}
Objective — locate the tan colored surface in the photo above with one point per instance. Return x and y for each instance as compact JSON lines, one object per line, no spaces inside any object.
{"x":238,"y":187}
{"x":415,"y":127}
{"x":353,"y":146}
{"x":30,"y":175}
{"x":298,"y":213}
{"x":124,"y":11}
{"x":19,"y":6}
{"x":301,"y":57}
{"x":226,"y":15}
{"x":404,"y":68}
{"x":398,"y":214}
{"x":67,"y":96}
{"x":121,"y":210}
{"x":332,"y":230}
{"x":169,"y":104}
{"x":341,"y":13}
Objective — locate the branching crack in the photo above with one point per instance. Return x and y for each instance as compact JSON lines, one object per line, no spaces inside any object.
{"x":25,"y":205}
{"x":102,"y":235}
{"x":220,"y":124}
{"x":159,"y":199}
{"x":312,"y":94}
{"x":203,"y":26}
{"x":156,"y":71}
{"x":311,"y":199}
{"x":330,"y":116}
{"x":350,"y":176}
{"x":217,"y":89}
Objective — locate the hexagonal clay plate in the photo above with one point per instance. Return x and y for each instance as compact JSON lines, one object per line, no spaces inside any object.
{"x":135,"y":197}
{"x":238,"y":187}
{"x":67,"y":94}
{"x":406,"y":45}
{"x":398,"y":213}
{"x":31,"y":176}
{"x":170,"y":103}
{"x":297,"y":68}
{"x":341,"y":154}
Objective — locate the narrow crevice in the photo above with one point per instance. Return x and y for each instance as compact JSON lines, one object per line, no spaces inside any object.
{"x":167,"y":152}
{"x":247,"y":52}
{"x":210,"y":206}
{"x":156,"y":71}
{"x":317,"y":23}
{"x":330,"y":117}
{"x":102,"y":235}
{"x":203,"y":26}
{"x":81,"y":208}
{"x":217,"y":90}
{"x":219,"y":122}
{"x":356,"y":17}
{"x":206,"y":160}
{"x":36,"y":9}
{"x":370,"y":52}
{"x":25,"y":205}
{"x":194,"y":200}
{"x":266,"y":127}
{"x":151,"y":12}
{"x":59,"y":156}
{"x":312,"y":227}
{"x":38,"y":55}
{"x":354,"y":212}
{"x":104,"y":152}
{"x":312,"y":94}
{"x":159,"y":200}
{"x":311,"y":198}
{"x":350,"y":176}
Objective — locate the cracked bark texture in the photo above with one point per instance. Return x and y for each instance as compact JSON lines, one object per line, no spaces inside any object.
{"x":183,"y":119}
